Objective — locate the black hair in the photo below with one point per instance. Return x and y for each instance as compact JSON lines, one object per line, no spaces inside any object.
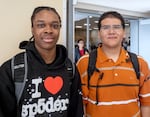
{"x":80,"y":40}
{"x":111,"y":14}
{"x":40,"y":8}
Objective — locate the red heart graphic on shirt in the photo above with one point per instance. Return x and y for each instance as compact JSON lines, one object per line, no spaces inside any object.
{"x":53,"y":85}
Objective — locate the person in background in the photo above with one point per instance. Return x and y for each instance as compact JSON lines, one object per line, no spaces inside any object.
{"x":50,"y":91}
{"x":113,"y":89}
{"x":80,"y":50}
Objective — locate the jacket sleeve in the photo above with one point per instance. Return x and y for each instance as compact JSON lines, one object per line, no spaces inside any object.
{"x":7,"y":91}
{"x":77,"y":54}
{"x":76,"y":103}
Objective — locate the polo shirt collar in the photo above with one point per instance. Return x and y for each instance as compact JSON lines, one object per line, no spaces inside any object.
{"x":124,"y":56}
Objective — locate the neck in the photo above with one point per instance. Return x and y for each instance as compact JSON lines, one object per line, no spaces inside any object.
{"x":80,"y":48}
{"x":48,"y":55}
{"x":112,"y":53}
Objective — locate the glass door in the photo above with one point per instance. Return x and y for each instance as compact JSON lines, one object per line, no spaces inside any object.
{"x":86,"y":28}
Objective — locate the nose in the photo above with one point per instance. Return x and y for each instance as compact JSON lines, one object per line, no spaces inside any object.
{"x":111,"y":30}
{"x":48,"y":29}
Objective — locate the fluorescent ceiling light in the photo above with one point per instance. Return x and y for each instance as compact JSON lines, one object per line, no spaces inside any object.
{"x":86,"y":24}
{"x":96,"y":21}
{"x":78,"y":26}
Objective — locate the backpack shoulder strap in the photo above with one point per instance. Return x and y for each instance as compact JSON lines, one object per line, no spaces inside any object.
{"x":91,"y":64}
{"x":70,"y":67}
{"x":19,"y":69}
{"x":135,"y":63}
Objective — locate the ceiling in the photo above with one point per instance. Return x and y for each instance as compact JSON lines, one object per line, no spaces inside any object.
{"x":142,"y":6}
{"x":135,"y":8}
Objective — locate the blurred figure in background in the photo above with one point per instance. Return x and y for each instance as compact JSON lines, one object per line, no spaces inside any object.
{"x":80,"y":50}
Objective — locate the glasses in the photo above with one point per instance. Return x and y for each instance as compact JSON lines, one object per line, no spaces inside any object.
{"x":52,"y":25}
{"x":114,"y":27}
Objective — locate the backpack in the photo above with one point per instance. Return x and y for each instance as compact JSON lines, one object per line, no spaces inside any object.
{"x":92,"y":63}
{"x":19,"y":68}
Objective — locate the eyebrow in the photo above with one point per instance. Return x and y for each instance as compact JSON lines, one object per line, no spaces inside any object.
{"x":44,"y":21}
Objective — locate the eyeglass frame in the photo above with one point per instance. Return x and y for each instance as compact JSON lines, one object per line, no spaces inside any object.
{"x":113,"y":27}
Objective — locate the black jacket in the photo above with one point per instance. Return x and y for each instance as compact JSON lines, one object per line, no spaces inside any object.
{"x":63,"y":102}
{"x":77,"y":53}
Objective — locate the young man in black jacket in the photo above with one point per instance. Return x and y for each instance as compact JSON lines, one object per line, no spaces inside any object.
{"x":48,"y":90}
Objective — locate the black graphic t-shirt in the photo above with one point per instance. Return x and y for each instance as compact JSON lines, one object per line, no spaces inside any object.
{"x":47,"y":88}
{"x":44,"y":97}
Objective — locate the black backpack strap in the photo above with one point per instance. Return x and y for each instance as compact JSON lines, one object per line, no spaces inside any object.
{"x":70,"y":68}
{"x":91,"y":64}
{"x":135,"y":64}
{"x":19,"y":69}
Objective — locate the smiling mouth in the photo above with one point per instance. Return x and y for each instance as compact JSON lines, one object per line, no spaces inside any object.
{"x":48,"y":40}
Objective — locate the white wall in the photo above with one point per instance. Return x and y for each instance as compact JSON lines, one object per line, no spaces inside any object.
{"x":134,"y":34}
{"x":144,"y":39}
{"x":16,"y":25}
